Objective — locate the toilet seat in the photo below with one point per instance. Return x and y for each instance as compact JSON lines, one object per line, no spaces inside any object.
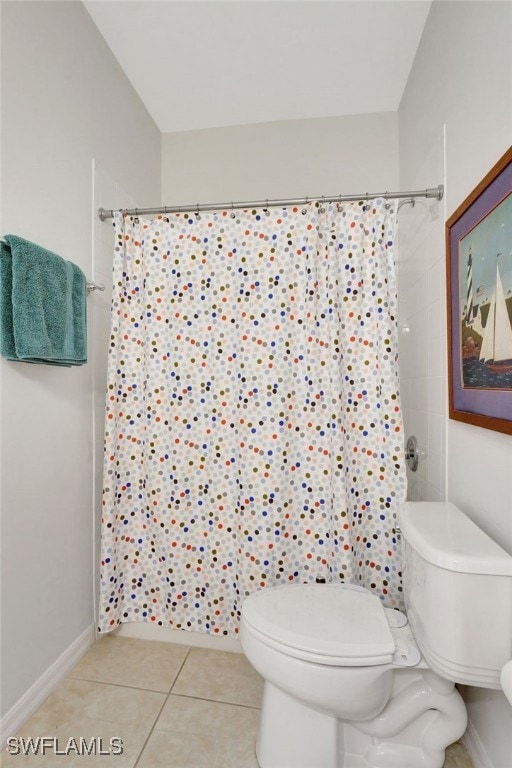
{"x":337,"y":625}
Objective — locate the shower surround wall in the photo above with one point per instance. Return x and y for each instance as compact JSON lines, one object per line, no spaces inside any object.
{"x":456,"y":115}
{"x":58,"y":113}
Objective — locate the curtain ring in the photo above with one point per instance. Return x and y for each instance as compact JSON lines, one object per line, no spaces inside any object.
{"x":197,"y":211}
{"x":232,"y":214}
{"x":305,"y":210}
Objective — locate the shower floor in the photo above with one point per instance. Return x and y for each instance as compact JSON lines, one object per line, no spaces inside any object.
{"x":172,"y":706}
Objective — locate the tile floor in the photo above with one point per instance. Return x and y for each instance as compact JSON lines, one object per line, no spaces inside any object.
{"x":171,"y":705}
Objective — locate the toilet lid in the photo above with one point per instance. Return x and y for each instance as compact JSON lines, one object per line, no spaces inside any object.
{"x":328,"y":623}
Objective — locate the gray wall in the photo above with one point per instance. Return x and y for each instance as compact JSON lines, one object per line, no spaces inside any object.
{"x":456,"y":121}
{"x":65,"y":101}
{"x":292,"y":158}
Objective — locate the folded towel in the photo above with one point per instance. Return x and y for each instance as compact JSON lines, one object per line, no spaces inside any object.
{"x":7,"y":346}
{"x":42,"y":305}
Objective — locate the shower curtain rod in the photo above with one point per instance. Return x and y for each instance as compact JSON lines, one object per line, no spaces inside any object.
{"x":432,"y":192}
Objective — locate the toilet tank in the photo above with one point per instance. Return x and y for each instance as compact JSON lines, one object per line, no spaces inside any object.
{"x":458,"y":593}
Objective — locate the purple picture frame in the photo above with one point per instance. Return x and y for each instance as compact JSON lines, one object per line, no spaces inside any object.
{"x":479,"y":302}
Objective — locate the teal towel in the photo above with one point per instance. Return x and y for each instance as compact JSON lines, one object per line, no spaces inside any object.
{"x":42,"y":305}
{"x":7,"y":347}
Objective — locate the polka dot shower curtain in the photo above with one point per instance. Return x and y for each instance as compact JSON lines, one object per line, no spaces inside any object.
{"x":253,"y":424}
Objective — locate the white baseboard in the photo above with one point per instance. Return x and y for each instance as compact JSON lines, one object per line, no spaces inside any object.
{"x":37,"y":693}
{"x":141,"y":630}
{"x":474,"y":746}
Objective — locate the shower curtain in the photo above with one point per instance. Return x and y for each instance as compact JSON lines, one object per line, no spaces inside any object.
{"x":253,"y":425}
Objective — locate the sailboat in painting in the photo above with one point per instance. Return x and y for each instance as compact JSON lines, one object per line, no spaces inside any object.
{"x":496,"y":351}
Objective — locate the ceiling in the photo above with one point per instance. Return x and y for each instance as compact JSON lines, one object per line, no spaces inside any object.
{"x":214,"y":63}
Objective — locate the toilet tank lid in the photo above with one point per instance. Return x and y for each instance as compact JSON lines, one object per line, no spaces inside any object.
{"x":444,"y":536}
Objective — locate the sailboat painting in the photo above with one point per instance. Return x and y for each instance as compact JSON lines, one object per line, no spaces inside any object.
{"x":479,"y":302}
{"x":485,"y":280}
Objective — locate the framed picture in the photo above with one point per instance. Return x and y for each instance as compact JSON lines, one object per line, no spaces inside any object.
{"x":479,"y":297}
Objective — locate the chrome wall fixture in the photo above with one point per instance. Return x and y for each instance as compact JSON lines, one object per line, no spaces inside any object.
{"x":95,"y":287}
{"x":412,"y":454}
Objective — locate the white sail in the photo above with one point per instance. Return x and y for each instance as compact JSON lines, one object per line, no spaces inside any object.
{"x":503,"y":332}
{"x":497,"y":341}
{"x":487,"y":351}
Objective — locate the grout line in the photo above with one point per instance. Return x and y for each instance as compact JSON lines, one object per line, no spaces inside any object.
{"x":166,"y":696}
{"x":215,"y":701}
{"x":203,"y":698}
{"x":117,"y":685}
{"x":160,"y":711}
{"x":134,"y":687}
{"x":150,"y":731}
{"x":179,"y":671}
{"x":187,"y":734}
{"x":167,"y":693}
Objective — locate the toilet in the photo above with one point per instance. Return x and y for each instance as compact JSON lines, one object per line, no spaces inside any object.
{"x":352,"y":684}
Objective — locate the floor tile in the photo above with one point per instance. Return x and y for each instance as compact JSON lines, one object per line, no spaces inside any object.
{"x":228,"y":721}
{"x":138,"y":663}
{"x":220,"y":676}
{"x":82,"y":709}
{"x":119,"y":689}
{"x":457,"y":756}
{"x":185,"y":750}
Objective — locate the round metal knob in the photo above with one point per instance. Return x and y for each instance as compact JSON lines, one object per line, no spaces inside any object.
{"x":412,"y":454}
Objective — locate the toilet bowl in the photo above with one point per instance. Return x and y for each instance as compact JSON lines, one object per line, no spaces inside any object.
{"x":352,"y":684}
{"x":330,"y":656}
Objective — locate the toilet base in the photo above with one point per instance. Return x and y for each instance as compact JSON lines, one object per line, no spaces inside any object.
{"x":423,"y":716}
{"x":292,"y":735}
